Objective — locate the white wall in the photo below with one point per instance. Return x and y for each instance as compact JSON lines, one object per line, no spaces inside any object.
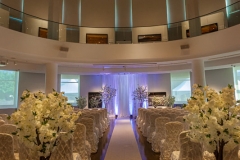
{"x":219,"y":78}
{"x":33,"y":82}
{"x":90,"y":83}
{"x":85,"y":30}
{"x":149,"y":30}
{"x":159,"y":83}
{"x":4,"y":18}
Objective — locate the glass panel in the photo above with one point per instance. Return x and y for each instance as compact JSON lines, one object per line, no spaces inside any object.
{"x":70,"y":86}
{"x":181,"y":87}
{"x":8,"y":89}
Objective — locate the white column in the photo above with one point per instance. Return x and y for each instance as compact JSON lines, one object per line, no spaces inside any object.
{"x":51,"y":77}
{"x":198,"y":72}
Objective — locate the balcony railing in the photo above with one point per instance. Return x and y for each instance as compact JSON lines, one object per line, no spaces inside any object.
{"x":212,"y":22}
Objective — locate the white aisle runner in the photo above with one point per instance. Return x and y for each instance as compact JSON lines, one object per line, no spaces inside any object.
{"x":123,"y":145}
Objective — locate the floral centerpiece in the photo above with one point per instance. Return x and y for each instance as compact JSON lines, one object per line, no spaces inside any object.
{"x":107,"y":94}
{"x":94,"y":101}
{"x":169,"y":101}
{"x":140,"y":94}
{"x":158,"y":101}
{"x":81,"y":102}
{"x":40,"y":119}
{"x":214,"y":119}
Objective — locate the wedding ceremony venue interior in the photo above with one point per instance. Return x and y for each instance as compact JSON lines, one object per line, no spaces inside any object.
{"x":119,"y":79}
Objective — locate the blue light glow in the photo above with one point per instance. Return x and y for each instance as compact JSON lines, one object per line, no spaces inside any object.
{"x":116,"y":107}
{"x":130,"y":108}
{"x":227,"y":10}
{"x":63,"y":10}
{"x":16,"y":19}
{"x":116,"y":14}
{"x":79,"y":12}
{"x":131,"y":22}
{"x":168,"y":12}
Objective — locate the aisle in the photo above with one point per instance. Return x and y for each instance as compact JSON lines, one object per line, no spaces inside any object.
{"x":123,"y":145}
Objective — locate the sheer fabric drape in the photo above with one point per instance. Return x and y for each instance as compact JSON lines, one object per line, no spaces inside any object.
{"x":123,"y":104}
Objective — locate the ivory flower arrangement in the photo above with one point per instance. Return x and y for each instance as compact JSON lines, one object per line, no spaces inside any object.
{"x":140,"y":94}
{"x":81,"y":102}
{"x":40,"y":119}
{"x":107,"y":94}
{"x":214,"y":119}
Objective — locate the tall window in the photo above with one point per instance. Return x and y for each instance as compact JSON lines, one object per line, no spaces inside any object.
{"x":8,"y":89}
{"x":236,"y":73}
{"x":70,"y":85}
{"x":181,"y":87}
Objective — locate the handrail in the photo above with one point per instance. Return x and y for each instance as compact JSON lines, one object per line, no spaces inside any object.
{"x":120,"y":27}
{"x":179,"y":31}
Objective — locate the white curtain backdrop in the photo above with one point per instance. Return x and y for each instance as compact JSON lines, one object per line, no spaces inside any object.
{"x":123,"y":104}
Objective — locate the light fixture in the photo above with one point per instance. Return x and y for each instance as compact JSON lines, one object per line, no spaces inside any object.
{"x":6,"y":61}
{"x":2,"y":64}
{"x":15,"y":63}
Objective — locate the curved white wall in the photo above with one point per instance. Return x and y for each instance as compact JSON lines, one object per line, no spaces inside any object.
{"x":20,"y":45}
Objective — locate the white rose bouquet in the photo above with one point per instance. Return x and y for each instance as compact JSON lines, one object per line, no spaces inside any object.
{"x":40,"y":119}
{"x":214,"y":119}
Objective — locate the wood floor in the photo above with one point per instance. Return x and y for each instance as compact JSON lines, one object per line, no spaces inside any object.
{"x":143,"y":146}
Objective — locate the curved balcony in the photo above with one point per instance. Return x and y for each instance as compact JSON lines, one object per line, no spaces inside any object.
{"x":154,"y":48}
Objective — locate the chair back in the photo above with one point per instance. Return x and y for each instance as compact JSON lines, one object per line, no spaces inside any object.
{"x":10,"y":129}
{"x":64,"y":149}
{"x":6,"y":147}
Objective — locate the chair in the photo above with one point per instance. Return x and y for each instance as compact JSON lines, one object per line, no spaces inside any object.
{"x":170,"y":143}
{"x":185,"y":124}
{"x":6,"y":147}
{"x":151,"y":128}
{"x":147,"y":123}
{"x":91,"y":136}
{"x":9,"y":129}
{"x":4,"y":117}
{"x":64,"y":150}
{"x":2,"y":122}
{"x":96,"y":130}
{"x":188,"y":150}
{"x":159,"y":133}
{"x":80,"y":144}
{"x":98,"y":123}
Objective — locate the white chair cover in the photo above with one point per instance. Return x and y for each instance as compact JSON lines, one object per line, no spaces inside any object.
{"x":4,"y":117}
{"x":2,"y":122}
{"x":6,"y":147}
{"x":188,"y":150}
{"x":97,"y":124}
{"x":147,"y":123}
{"x":91,"y":136}
{"x":170,"y":143}
{"x":64,"y":150}
{"x":151,"y":128}
{"x":159,"y":133}
{"x":80,"y":144}
{"x":96,"y":130}
{"x":10,"y":129}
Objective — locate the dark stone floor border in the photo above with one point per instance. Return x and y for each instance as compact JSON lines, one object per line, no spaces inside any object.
{"x":144,"y":146}
{"x":104,"y":142}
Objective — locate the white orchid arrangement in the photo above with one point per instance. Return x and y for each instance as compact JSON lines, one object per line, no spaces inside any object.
{"x":81,"y":102}
{"x":158,"y":101}
{"x":140,"y":94}
{"x":40,"y":119}
{"x":94,"y":101}
{"x":107,"y":94}
{"x":214,"y":118}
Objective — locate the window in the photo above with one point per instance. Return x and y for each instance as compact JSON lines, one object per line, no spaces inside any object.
{"x":181,"y":87}
{"x":70,"y":85}
{"x":236,"y":73}
{"x":8,"y":89}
